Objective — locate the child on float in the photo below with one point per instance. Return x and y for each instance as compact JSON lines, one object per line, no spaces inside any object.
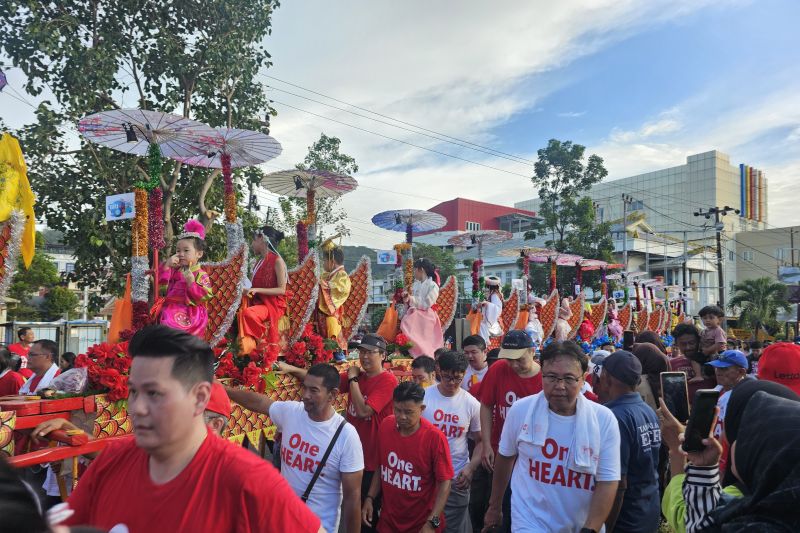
{"x":334,"y":289}
{"x":534,"y":327}
{"x":421,"y":323}
{"x":563,"y":329}
{"x":491,"y":309}
{"x":188,"y":285}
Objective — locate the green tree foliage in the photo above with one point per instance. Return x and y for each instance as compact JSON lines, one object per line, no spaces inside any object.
{"x":197,"y":59}
{"x":324,"y":154}
{"x":444,"y":260}
{"x":561,"y":176}
{"x":758,"y":301}
{"x":27,"y":281}
{"x":60,"y":302}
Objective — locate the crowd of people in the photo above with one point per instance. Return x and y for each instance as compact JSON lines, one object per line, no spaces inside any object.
{"x":529,"y":437}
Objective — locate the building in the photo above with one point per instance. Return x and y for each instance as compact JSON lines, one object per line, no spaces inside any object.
{"x":768,"y":253}
{"x":668,"y":200}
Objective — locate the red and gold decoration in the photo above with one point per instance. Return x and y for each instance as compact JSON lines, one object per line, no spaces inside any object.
{"x":8,"y":420}
{"x":310,"y":349}
{"x":107,"y":366}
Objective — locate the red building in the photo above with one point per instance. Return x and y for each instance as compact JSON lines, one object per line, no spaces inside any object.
{"x":469,"y":215}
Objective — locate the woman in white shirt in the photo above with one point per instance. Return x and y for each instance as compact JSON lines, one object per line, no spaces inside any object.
{"x":421,"y":322}
{"x":491,"y":309}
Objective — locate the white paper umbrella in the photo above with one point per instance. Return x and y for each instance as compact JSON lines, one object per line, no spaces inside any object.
{"x":246,"y":148}
{"x":298,"y":183}
{"x":133,"y":130}
{"x":415,"y":220}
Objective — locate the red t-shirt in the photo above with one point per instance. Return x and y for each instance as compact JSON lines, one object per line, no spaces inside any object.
{"x":377,"y":393}
{"x":683,"y":364}
{"x":224,"y":488}
{"x":10,"y":383}
{"x":500,"y":388}
{"x":22,"y":352}
{"x":410,"y":469}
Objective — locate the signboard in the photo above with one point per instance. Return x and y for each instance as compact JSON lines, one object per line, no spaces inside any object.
{"x":387,"y":257}
{"x":618,"y":295}
{"x":120,"y":207}
{"x":789,"y":274}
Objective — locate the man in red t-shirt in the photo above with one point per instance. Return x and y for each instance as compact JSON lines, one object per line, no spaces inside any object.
{"x":369,"y":401}
{"x":26,"y":338}
{"x":515,"y":375}
{"x":175,"y":474}
{"x":415,"y":469}
{"x":10,"y":381}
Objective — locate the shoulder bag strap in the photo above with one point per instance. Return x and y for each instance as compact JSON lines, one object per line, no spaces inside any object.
{"x":322,"y":462}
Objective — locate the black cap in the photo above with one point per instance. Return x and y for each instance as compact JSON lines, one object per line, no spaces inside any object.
{"x":624,"y":366}
{"x":515,"y":344}
{"x":373,"y":342}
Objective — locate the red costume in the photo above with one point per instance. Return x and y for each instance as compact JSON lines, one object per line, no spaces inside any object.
{"x":261,"y":314}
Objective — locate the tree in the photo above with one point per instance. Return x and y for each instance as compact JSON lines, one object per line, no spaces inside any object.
{"x":758,"y":301}
{"x":324,"y":154}
{"x":444,"y":260}
{"x":561,"y":176}
{"x":60,"y":302}
{"x":200,"y":59}
{"x":27,"y":282}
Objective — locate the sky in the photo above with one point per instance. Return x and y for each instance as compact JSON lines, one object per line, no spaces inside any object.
{"x":643,"y":84}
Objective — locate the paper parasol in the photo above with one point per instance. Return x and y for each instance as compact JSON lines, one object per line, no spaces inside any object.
{"x":478,"y":238}
{"x":297,"y":183}
{"x":560,"y":258}
{"x":416,"y":220}
{"x":246,"y":149}
{"x":517,"y":252}
{"x":133,"y":130}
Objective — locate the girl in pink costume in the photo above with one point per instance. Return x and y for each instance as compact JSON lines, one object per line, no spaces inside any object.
{"x":563,"y":329}
{"x":421,"y":322}
{"x":188,"y":285}
{"x":614,"y":327}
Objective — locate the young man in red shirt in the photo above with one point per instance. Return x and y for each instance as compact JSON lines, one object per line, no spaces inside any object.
{"x":416,"y":469}
{"x":176,"y":475}
{"x":369,"y":401}
{"x":26,"y":338}
{"x":515,"y":375}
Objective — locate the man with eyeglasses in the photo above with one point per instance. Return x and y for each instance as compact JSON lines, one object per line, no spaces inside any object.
{"x":559,"y":450}
{"x":515,"y":375}
{"x":42,"y":358}
{"x":457,"y":414}
{"x":369,"y":400}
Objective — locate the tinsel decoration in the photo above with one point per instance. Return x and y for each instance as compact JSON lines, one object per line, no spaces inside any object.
{"x":153,"y":169}
{"x":603,"y":283}
{"x":140,"y":286}
{"x":552,"y":274}
{"x":230,"y":193}
{"x":302,"y":239}
{"x":578,"y":279}
{"x":140,"y":229}
{"x":140,"y":315}
{"x":311,"y":207}
{"x":409,"y":234}
{"x":477,"y":280}
{"x":9,"y":253}
{"x":155,"y":219}
{"x":638,"y":298}
{"x":526,"y":265}
{"x":652,"y":297}
{"x":408,"y":273}
{"x":234,"y":233}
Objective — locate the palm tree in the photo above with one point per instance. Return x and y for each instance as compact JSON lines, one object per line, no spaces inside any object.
{"x":758,"y":302}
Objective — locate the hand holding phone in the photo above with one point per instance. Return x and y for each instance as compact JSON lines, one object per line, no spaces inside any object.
{"x":627,"y":340}
{"x":701,"y":422}
{"x":675,"y":394}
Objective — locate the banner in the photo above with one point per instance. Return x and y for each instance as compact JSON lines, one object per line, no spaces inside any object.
{"x":120,"y":207}
{"x":387,"y":257}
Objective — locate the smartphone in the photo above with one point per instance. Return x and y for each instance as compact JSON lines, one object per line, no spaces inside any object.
{"x":627,"y":340}
{"x":699,"y":425}
{"x":675,"y":393}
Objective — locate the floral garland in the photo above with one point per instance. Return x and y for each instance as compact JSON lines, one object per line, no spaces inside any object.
{"x":310,"y":349}
{"x":156,"y":219}
{"x":302,"y":239}
{"x":140,"y":223}
{"x":311,"y":207}
{"x":408,"y":273}
{"x":477,"y":280}
{"x":230,"y":193}
{"x":401,"y":344}
{"x":107,"y":367}
{"x":254,"y":370}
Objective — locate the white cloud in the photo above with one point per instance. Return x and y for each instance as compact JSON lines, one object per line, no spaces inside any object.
{"x":572,"y":114}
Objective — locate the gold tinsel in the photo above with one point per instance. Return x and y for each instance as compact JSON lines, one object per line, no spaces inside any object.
{"x":230,"y":207}
{"x":408,"y":270}
{"x":140,"y":247}
{"x":402,"y":247}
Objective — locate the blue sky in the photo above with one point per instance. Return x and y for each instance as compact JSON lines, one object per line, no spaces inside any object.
{"x":643,"y":83}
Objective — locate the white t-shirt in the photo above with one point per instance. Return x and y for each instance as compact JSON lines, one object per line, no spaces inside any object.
{"x":469,"y":380}
{"x":545,"y":494}
{"x":722,"y":403}
{"x":303,"y":444}
{"x":456,"y":416}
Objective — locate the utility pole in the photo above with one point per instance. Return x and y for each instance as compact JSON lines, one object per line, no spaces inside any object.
{"x":626,"y":201}
{"x":718,"y":212}
{"x":685,"y":270}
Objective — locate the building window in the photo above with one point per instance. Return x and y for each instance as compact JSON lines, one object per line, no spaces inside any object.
{"x":636,"y":205}
{"x":731,"y":255}
{"x":69,"y":268}
{"x":473,"y":226}
{"x":509,"y":275}
{"x":780,"y":254}
{"x":747,"y":255}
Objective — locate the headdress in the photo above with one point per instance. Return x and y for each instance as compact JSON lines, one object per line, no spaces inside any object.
{"x":193,"y":228}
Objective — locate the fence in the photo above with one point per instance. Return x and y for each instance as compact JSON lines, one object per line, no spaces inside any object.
{"x":74,"y":336}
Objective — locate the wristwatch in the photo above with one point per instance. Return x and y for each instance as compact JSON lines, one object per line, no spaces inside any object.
{"x":434,"y":521}
{"x":354,"y":378}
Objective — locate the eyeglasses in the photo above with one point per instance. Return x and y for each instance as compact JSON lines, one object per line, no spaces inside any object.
{"x":569,"y":381}
{"x":452,"y":379}
{"x":33,"y":354}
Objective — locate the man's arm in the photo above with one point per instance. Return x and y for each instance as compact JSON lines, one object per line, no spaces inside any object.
{"x":464,"y":479}
{"x":351,"y":487}
{"x":615,"y":508}
{"x":600,"y":506}
{"x":286,"y":368}
{"x":486,"y":437}
{"x":503,"y":466}
{"x":367,"y":514}
{"x":356,"y":396}
{"x":260,"y":403}
{"x":442,"y":492}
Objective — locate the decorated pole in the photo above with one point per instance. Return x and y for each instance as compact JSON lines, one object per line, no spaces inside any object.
{"x":638,"y":298}
{"x":603,"y":282}
{"x":552,"y":264}
{"x":578,"y":278}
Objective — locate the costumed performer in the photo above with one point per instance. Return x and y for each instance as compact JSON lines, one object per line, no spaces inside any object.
{"x":586,"y":329}
{"x":263,"y":313}
{"x":614,"y":327}
{"x":334,"y":289}
{"x":188,"y":285}
{"x":491,"y":309}
{"x":534,"y":327}
{"x":563,"y":328}
{"x":421,"y":322}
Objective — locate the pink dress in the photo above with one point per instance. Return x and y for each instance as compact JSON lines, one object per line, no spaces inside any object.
{"x":184,"y":306}
{"x":421,"y":323}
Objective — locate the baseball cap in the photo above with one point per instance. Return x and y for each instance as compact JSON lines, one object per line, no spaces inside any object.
{"x":516,"y":343}
{"x":729,"y":358}
{"x":780,"y":363}
{"x":373,"y":342}
{"x":624,"y":366}
{"x":219,"y":402}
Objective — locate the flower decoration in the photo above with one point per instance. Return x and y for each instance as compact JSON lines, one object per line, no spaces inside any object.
{"x":107,"y":366}
{"x":408,"y":273}
{"x":310,"y":349}
{"x":401,"y":344}
{"x":156,"y":219}
{"x":302,"y":240}
{"x":477,"y":280}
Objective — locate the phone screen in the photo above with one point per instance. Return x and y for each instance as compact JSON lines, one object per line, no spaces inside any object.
{"x":699,"y":425}
{"x":627,"y":340}
{"x":676,"y":395}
